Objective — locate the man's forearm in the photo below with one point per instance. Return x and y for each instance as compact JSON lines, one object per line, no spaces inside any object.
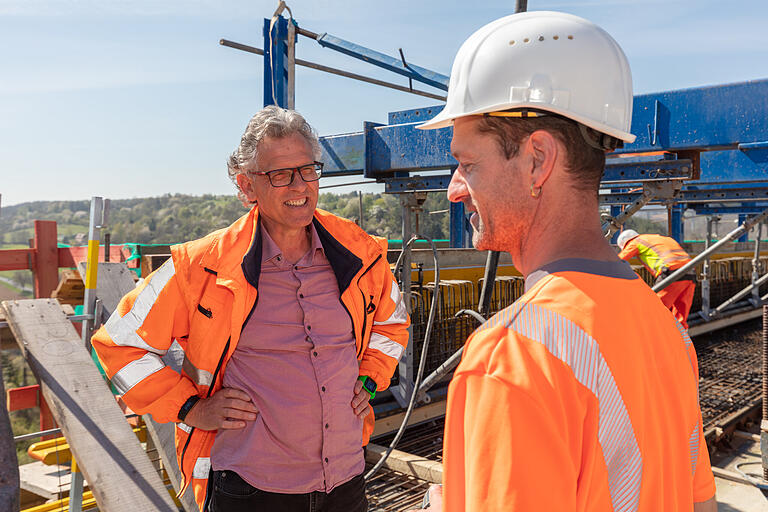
{"x":706,"y":506}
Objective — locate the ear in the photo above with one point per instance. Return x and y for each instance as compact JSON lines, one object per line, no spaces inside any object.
{"x":246,"y":187}
{"x":544,"y":149}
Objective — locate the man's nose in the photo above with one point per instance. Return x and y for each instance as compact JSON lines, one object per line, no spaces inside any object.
{"x":457,"y":188}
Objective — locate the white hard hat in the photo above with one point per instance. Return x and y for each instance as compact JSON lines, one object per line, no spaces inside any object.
{"x":625,"y":236}
{"x":547,"y":61}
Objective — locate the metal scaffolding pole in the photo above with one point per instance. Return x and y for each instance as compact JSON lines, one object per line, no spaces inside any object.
{"x":674,"y":276}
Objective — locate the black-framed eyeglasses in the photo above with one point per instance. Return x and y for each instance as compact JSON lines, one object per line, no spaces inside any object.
{"x":284,"y":177}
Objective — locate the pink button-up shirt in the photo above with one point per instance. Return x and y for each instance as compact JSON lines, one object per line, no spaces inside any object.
{"x":297,"y":359}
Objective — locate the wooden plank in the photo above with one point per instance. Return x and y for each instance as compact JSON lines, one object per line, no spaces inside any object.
{"x":9,"y":464}
{"x":70,"y":257}
{"x":162,"y":434}
{"x":152,"y":262}
{"x":46,"y":259}
{"x":419,"y":414}
{"x":16,"y":259}
{"x":413,"y":465}
{"x":114,"y":281}
{"x":8,"y":342}
{"x":112,"y":460}
{"x":71,"y":289}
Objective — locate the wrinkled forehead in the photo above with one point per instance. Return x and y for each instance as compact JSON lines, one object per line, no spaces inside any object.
{"x":277,"y":152}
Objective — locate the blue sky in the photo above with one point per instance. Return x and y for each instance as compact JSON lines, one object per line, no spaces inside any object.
{"x":135,"y":98}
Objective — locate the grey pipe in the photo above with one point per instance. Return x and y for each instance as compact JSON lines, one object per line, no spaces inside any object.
{"x":730,"y":236}
{"x":743,"y":293}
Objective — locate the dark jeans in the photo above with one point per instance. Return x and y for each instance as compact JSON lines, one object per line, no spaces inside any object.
{"x":233,"y":494}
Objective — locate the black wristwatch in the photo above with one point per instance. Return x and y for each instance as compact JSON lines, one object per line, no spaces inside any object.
{"x":368,"y":384}
{"x":188,"y":405}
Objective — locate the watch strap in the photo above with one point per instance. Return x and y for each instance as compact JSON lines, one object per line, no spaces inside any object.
{"x":187,"y":406}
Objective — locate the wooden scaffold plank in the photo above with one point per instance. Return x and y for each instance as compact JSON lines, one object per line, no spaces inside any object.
{"x":117,"y":469}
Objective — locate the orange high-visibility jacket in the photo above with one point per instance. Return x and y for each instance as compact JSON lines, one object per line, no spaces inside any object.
{"x":656,"y":252}
{"x":202,"y":298}
{"x":581,"y":396}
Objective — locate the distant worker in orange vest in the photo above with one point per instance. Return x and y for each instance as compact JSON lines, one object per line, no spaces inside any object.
{"x":582,"y":395}
{"x":662,"y":255}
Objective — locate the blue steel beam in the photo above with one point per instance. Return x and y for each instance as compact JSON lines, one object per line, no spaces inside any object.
{"x":704,"y":209}
{"x":275,"y":60}
{"x":721,"y":116}
{"x":423,"y":75}
{"x":709,"y":196}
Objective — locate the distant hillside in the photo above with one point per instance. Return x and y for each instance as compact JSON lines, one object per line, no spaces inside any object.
{"x":177,"y":218}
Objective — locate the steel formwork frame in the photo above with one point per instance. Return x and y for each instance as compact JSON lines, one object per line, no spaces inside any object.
{"x":703,"y":148}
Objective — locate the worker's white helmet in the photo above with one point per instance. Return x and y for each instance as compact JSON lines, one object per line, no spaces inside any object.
{"x":625,"y":236}
{"x":548,"y":61}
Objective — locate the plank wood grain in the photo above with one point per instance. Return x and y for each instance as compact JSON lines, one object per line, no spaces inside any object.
{"x":112,"y":460}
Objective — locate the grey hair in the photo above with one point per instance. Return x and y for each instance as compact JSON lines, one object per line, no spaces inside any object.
{"x":271,"y":121}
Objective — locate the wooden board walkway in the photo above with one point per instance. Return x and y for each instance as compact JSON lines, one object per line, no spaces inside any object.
{"x":112,"y":460}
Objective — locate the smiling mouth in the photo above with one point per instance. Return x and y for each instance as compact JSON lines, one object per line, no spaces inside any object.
{"x":296,"y":202}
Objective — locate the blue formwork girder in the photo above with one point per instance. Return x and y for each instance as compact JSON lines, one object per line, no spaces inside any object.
{"x":423,"y":75}
{"x":721,"y":116}
{"x":699,"y":195}
{"x":728,"y":123}
{"x":746,"y":209}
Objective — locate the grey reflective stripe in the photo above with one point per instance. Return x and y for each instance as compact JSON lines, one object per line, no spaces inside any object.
{"x":399,"y":315}
{"x":122,"y":329}
{"x":136,"y":371}
{"x":693,"y":444}
{"x":200,"y":377}
{"x":202,"y":467}
{"x":570,"y":344}
{"x":383,"y":344}
{"x":693,"y":440}
{"x":183,"y":426}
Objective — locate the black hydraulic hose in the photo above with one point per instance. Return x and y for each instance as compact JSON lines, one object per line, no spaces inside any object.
{"x":422,"y":359}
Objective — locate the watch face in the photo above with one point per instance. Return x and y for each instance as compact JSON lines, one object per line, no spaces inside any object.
{"x":370,"y":385}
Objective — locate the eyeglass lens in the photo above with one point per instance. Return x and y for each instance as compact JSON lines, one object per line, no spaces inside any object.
{"x":284,"y":177}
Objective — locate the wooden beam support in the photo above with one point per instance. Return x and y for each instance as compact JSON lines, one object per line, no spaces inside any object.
{"x":111,"y":458}
{"x":406,"y":463}
{"x":46,"y":260}
{"x":390,"y":424}
{"x":16,"y":259}
{"x":70,"y":257}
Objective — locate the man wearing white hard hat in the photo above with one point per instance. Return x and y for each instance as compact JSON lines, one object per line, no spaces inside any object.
{"x":582,"y":395}
{"x":662,"y":255}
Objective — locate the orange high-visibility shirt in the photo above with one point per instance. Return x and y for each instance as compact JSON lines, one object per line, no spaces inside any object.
{"x":656,"y":252}
{"x":582,"y":395}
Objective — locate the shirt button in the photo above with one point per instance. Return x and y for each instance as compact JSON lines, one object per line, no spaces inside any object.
{"x":295,"y":267}
{"x":279,"y":258}
{"x":315,"y":353}
{"x":326,"y":425}
{"x":309,"y":339}
{"x":309,"y":327}
{"x":323,"y":388}
{"x":301,"y":295}
{"x":326,"y":459}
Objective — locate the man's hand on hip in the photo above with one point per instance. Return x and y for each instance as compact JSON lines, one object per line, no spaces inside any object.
{"x":228,"y":408}
{"x":360,"y":400}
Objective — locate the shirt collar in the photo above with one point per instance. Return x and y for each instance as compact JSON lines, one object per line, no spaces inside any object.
{"x":616,"y":269}
{"x":270,"y":250}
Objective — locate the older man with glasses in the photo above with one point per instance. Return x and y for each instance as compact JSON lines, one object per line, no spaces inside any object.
{"x":290,"y":321}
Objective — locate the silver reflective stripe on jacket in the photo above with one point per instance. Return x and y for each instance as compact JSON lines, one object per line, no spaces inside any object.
{"x":200,"y":377}
{"x":385,"y":345}
{"x":202,"y":467}
{"x":399,"y":315}
{"x":136,"y":371}
{"x":570,"y":344}
{"x":122,"y":329}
